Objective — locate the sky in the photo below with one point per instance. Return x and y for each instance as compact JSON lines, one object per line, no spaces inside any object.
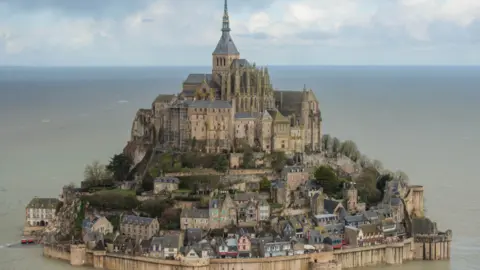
{"x":274,"y":32}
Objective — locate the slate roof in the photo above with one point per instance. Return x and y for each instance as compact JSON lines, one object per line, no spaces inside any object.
{"x":353,"y":219}
{"x":369,"y":228}
{"x":167,"y":180}
{"x":330,"y":205}
{"x":290,"y":101}
{"x":370,"y":215}
{"x":245,"y":115}
{"x":163,"y":98}
{"x":226,"y":45}
{"x":40,"y":203}
{"x":137,"y":220}
{"x":217,"y":104}
{"x":395,"y":201}
{"x":198,"y":78}
{"x":277,"y":116}
{"x":171,"y":241}
{"x":194,"y":213}
{"x":193,"y":235}
{"x":239,"y":63}
{"x":266,"y":116}
{"x":156,"y":241}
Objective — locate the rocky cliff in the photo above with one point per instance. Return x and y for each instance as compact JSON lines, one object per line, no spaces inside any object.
{"x":63,"y":225}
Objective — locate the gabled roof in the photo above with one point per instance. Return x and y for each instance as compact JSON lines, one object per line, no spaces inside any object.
{"x":266,"y":116}
{"x":355,"y":218}
{"x":163,"y":98}
{"x":290,"y":101}
{"x":137,"y":220}
{"x":40,"y":203}
{"x":198,"y":78}
{"x":277,"y":116}
{"x":239,"y":63}
{"x":226,"y":46}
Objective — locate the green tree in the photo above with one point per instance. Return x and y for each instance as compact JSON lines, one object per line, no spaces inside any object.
{"x":119,"y":167}
{"x":348,"y":148}
{"x":278,"y":160}
{"x":366,"y":184}
{"x":401,"y":176}
{"x":377,"y":165}
{"x":96,"y":173}
{"x":265,"y":184}
{"x":155,"y":208}
{"x":248,"y":161}
{"x":194,"y":143}
{"x":220,"y":163}
{"x":364,"y":161}
{"x":327,"y":178}
{"x":336,"y":144}
{"x":326,"y":142}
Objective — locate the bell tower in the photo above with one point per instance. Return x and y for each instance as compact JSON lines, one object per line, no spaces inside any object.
{"x":226,"y":51}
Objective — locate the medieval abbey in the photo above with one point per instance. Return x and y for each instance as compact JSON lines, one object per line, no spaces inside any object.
{"x":234,"y":104}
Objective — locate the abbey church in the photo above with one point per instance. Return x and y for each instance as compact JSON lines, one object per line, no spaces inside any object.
{"x":235,"y":103}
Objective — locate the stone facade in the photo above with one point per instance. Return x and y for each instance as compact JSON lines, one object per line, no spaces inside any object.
{"x":235,"y":102}
{"x":139,"y":227}
{"x":40,"y":211}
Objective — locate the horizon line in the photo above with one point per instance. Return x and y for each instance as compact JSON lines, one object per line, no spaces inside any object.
{"x":207,"y":66}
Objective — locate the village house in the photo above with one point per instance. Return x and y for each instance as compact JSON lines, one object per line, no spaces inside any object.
{"x":222,"y":212}
{"x":275,"y":248}
{"x":196,"y":252}
{"x":172,"y":244}
{"x":297,"y":226}
{"x":194,"y":218}
{"x":372,"y":235}
{"x":41,"y":211}
{"x":355,"y":220}
{"x":244,"y":246}
{"x":263,"y":210}
{"x":353,"y":236}
{"x":97,"y":224}
{"x":247,"y":212}
{"x":294,"y":176}
{"x":165,"y":184}
{"x":156,"y":247}
{"x":314,"y":237}
{"x":192,"y":236}
{"x":244,"y":197}
{"x":139,"y":227}
{"x":325,"y":219}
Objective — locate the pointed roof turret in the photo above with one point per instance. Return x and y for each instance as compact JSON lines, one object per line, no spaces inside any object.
{"x":225,"y":44}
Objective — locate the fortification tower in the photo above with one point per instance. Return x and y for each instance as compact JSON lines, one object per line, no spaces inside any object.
{"x":77,"y":255}
{"x":350,"y":196}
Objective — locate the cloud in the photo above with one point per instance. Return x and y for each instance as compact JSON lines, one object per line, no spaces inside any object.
{"x":147,"y":30}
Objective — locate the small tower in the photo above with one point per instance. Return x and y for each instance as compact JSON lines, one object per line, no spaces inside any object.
{"x":350,"y":196}
{"x":226,"y":51}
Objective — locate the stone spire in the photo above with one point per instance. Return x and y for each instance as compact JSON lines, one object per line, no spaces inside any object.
{"x":226,"y":18}
{"x":225,"y":45}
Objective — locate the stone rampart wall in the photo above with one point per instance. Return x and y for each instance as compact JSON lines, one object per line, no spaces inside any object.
{"x":395,"y":253}
{"x":56,"y":252}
